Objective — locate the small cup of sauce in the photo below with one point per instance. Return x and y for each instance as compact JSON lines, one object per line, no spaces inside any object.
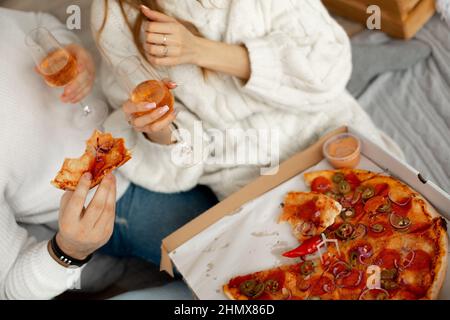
{"x":343,"y":151}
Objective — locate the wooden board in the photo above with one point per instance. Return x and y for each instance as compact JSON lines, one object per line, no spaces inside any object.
{"x":396,"y":25}
{"x":393,"y":7}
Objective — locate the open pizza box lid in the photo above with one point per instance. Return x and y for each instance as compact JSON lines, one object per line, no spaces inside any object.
{"x":241,"y":235}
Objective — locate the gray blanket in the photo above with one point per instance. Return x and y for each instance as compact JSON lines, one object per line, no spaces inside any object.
{"x":411,"y":105}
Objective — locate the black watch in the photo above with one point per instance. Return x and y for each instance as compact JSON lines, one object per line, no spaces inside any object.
{"x":66,"y":259}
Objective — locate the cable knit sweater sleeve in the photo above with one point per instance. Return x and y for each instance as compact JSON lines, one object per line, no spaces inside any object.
{"x":303,"y":60}
{"x":27,"y":271}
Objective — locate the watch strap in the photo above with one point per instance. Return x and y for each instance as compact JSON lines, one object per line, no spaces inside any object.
{"x":63,"y":258}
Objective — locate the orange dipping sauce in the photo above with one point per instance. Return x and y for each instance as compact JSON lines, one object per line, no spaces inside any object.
{"x":343,"y":151}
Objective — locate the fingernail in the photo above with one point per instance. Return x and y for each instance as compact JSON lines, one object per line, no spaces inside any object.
{"x":87,"y":176}
{"x":163,"y":110}
{"x":174,"y":84}
{"x":150,"y":106}
{"x":145,"y":7}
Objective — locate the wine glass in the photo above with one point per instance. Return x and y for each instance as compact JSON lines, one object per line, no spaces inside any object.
{"x":58,"y":68}
{"x":144,"y":84}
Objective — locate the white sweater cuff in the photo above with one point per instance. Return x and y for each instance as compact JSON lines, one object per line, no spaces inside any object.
{"x":265,"y":64}
{"x":50,"y":274}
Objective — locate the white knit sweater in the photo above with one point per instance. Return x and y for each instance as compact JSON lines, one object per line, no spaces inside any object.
{"x":300,"y":64}
{"x":36,"y":134}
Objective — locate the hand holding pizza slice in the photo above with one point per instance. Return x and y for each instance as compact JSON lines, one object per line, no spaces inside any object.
{"x":103,"y":154}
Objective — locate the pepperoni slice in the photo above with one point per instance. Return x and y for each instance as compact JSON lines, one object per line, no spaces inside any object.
{"x":420,"y":261}
{"x":401,"y":210}
{"x":359,"y":210}
{"x":339,"y":268}
{"x":387,"y":258}
{"x":303,"y":284}
{"x":353,"y":180}
{"x":374,"y":203}
{"x":352,"y":280}
{"x":308,"y":212}
{"x":382,"y":189}
{"x":419,"y":227}
{"x":323,"y":286}
{"x":321,"y":184}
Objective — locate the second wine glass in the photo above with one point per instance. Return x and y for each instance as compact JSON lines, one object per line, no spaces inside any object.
{"x":144,"y":84}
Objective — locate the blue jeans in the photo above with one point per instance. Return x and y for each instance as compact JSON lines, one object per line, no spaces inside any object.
{"x":175,"y":290}
{"x":144,"y":218}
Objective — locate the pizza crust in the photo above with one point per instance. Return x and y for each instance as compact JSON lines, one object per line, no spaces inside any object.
{"x":440,"y":267}
{"x":228,"y":293}
{"x":442,"y":258}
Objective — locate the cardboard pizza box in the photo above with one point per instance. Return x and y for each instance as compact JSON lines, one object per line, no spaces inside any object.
{"x":197,"y":238}
{"x":392,"y":7}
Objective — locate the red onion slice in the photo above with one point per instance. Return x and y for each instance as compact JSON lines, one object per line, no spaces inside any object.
{"x":335,"y":266}
{"x":354,"y":285}
{"x":343,"y":274}
{"x":356,"y":197}
{"x":407,"y":261}
{"x":287,"y":295}
{"x":399,"y":222}
{"x":328,"y":287}
{"x":304,"y":284}
{"x":306,"y":228}
{"x":401,"y":202}
{"x":365,"y":252}
{"x":359,"y":279}
{"x":361,"y":260}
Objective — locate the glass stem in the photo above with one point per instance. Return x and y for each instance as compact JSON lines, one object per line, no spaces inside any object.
{"x":86,"y":109}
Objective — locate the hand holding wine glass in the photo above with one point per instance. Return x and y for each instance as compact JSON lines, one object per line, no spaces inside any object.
{"x":150,"y":107}
{"x":81,"y":86}
{"x":70,"y":67}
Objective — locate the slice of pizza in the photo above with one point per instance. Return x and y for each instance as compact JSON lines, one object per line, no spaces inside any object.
{"x":309,"y":214}
{"x":305,"y":280}
{"x":103,"y":154}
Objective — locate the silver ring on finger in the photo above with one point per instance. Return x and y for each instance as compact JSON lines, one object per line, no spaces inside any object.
{"x":166,"y":51}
